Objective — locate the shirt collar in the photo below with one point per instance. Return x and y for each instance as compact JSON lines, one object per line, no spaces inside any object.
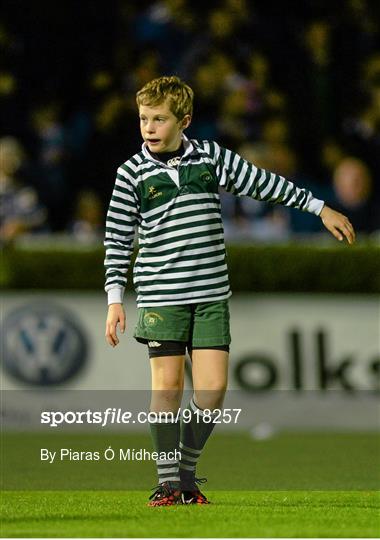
{"x":187,"y":146}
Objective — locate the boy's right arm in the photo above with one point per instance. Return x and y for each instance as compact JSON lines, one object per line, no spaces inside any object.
{"x":116,"y":315}
{"x":122,"y":218}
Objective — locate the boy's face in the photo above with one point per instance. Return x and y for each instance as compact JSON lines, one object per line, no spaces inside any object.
{"x":160,"y":128}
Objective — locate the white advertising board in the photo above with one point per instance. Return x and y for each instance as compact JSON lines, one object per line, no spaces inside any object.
{"x":296,"y":360}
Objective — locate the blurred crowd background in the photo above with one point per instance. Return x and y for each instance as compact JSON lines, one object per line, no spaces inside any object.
{"x":293,"y":86}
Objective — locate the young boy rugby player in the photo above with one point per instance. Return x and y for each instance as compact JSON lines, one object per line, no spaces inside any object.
{"x":169,"y":190}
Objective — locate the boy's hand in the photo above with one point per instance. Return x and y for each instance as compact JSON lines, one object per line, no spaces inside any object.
{"x":116,"y":314}
{"x":337,"y":224}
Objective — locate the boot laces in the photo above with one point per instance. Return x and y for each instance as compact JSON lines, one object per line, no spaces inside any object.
{"x":164,"y":490}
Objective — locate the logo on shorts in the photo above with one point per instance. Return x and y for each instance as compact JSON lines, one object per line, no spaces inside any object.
{"x":206,"y":177}
{"x":154,"y":344}
{"x":151,"y":318}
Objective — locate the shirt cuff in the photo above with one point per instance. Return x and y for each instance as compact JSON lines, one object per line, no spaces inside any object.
{"x":315,"y":206}
{"x":115,"y":295}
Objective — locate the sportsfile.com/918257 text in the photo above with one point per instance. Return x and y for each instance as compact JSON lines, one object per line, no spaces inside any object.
{"x":119,"y":416}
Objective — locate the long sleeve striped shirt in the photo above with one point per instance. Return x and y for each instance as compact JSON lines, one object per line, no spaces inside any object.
{"x":176,"y":208}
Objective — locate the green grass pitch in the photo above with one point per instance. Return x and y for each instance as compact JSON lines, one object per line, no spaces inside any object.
{"x":232,"y":514}
{"x":291,"y":485}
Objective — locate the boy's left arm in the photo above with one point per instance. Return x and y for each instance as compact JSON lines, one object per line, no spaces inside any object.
{"x":241,"y":177}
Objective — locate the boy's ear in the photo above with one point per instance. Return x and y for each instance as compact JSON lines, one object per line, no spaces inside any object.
{"x":185,"y":121}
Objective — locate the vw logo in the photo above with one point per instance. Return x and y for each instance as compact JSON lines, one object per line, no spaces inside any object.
{"x":43,"y":345}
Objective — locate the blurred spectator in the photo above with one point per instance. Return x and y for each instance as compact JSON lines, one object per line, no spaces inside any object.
{"x":332,"y":152}
{"x":359,"y":20}
{"x":12,"y":94}
{"x":219,"y":32}
{"x":115,"y":137}
{"x":207,"y":89}
{"x":353,"y":186}
{"x":166,"y":27}
{"x":9,"y":113}
{"x":275,"y":130}
{"x":362,"y":131}
{"x":264,"y":96}
{"x":251,"y":108}
{"x":88,"y":220}
{"x":286,"y":163}
{"x":50,"y":162}
{"x":20,"y":209}
{"x":312,"y":90}
{"x":248,"y":218}
{"x":233,"y":125}
{"x":147,"y":67}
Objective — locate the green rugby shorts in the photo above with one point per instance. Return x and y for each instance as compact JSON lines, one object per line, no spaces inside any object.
{"x":202,"y":324}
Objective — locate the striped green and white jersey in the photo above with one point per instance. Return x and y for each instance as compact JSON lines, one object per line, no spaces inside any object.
{"x":181,"y":254}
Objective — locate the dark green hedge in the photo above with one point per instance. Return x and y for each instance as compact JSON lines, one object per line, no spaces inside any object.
{"x":295,"y":268}
{"x":256,"y":268}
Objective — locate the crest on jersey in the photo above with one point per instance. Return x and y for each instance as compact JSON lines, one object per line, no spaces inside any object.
{"x":206,"y":177}
{"x":153,"y":193}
